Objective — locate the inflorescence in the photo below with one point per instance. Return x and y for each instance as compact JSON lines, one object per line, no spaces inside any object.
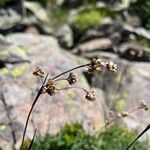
{"x":95,"y":65}
{"x":49,"y":85}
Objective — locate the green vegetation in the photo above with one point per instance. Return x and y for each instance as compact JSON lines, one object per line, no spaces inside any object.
{"x":2,"y":2}
{"x":73,"y":137}
{"x":88,"y":18}
{"x":92,"y":18}
{"x":141,"y":8}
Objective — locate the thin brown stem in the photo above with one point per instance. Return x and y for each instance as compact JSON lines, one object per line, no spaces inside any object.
{"x":29,"y":114}
{"x":73,"y":87}
{"x":144,"y":131}
{"x":81,"y":66}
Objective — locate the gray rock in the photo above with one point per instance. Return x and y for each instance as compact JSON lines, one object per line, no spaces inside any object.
{"x":50,"y":113}
{"x":8,"y":18}
{"x":125,"y":89}
{"x":101,"y":44}
{"x":65,"y":36}
{"x":134,"y":52}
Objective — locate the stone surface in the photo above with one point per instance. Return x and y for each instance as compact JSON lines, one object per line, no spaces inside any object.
{"x":20,"y":88}
{"x":125,"y":89}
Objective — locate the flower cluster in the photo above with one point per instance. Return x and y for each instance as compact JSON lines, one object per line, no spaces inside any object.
{"x":111,"y":66}
{"x":98,"y":65}
{"x":143,"y":105}
{"x":38,"y":72}
{"x":122,"y":114}
{"x":50,"y":87}
{"x":90,"y":96}
{"x":72,"y":78}
{"x":95,"y":65}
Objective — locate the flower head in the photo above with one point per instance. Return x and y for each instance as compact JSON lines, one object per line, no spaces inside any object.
{"x":95,"y":64}
{"x":111,"y":66}
{"x":50,"y":87}
{"x":142,"y":105}
{"x":72,"y":78}
{"x":38,"y":72}
{"x":90,"y":95}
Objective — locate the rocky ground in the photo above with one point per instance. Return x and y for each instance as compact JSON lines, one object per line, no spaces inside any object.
{"x":27,"y":44}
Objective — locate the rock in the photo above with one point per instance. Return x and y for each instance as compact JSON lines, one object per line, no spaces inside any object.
{"x":125,"y":89}
{"x":65,"y":36}
{"x":37,"y":10}
{"x":138,"y":31}
{"x":51,"y":112}
{"x":134,"y":52}
{"x":8,"y":18}
{"x":101,"y":44}
{"x":100,"y":54}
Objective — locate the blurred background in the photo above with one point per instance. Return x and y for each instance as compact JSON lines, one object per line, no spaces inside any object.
{"x":58,"y":35}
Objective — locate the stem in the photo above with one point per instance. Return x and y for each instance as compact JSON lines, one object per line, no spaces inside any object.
{"x":73,"y":87}
{"x":144,"y":131}
{"x":29,"y":114}
{"x":81,"y":66}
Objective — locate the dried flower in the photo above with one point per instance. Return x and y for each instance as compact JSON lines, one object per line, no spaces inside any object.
{"x":111,"y":66}
{"x":38,"y":72}
{"x":108,"y":121}
{"x":142,"y":105}
{"x":119,"y":115}
{"x":50,"y":87}
{"x":72,"y":78}
{"x":95,"y":64}
{"x":124,"y":114}
{"x":90,"y":95}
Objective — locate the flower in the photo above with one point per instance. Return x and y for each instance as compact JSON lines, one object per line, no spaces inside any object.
{"x":142,"y":105}
{"x":95,"y":64}
{"x":50,"y":87}
{"x":90,"y":95}
{"x":111,"y":66}
{"x":122,"y":114}
{"x":38,"y":72}
{"x":72,"y":78}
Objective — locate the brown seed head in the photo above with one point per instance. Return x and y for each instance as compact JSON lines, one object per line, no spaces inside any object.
{"x":111,"y":66}
{"x":72,"y":78}
{"x":95,"y":64}
{"x":142,"y":105}
{"x":38,"y":72}
{"x":50,"y":87}
{"x":90,"y":96}
{"x":124,"y":114}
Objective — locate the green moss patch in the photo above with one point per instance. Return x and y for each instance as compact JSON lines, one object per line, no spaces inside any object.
{"x":19,"y":70}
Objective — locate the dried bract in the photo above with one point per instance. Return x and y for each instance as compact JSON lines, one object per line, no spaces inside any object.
{"x":111,"y":66}
{"x":90,"y":96}
{"x":50,"y":87}
{"x":72,"y":78}
{"x":95,"y":64}
{"x":142,"y":105}
{"x":38,"y":72}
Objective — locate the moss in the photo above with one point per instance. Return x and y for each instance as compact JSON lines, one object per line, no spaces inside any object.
{"x":118,"y":79}
{"x":2,"y":127}
{"x":19,"y":70}
{"x":87,"y":19}
{"x":73,"y":137}
{"x":92,"y":18}
{"x":120,"y":105}
{"x":4,"y":53}
{"x":20,"y":51}
{"x":71,"y":94}
{"x":4,"y":71}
